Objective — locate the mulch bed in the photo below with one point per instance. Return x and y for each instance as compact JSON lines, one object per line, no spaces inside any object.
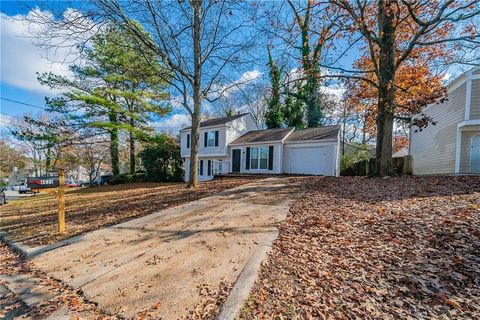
{"x":365,"y":248}
{"x":33,"y":220}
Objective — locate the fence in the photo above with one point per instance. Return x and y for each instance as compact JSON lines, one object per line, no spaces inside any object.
{"x":401,"y":165}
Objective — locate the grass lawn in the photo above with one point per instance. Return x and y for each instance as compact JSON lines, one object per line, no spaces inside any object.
{"x":33,"y":220}
{"x":397,"y":248}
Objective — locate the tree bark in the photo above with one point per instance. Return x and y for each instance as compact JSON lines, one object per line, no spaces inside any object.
{"x":197,"y":95}
{"x":132,"y":148}
{"x":386,"y":90}
{"x":114,"y":144}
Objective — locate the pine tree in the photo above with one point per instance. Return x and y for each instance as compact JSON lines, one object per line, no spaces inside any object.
{"x":120,"y":87}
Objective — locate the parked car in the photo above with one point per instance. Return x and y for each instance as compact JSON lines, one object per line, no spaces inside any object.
{"x":23,"y":188}
{"x":71,"y":184}
{"x":105,"y":179}
{"x":2,"y":196}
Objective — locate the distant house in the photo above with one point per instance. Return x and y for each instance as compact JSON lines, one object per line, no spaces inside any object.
{"x":452,"y":146}
{"x":235,"y":144}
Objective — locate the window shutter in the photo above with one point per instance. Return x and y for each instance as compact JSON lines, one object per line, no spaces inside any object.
{"x":270,"y":158}
{"x":205,"y":139}
{"x":201,"y":167}
{"x":188,"y":141}
{"x":247,"y":165}
{"x":216,"y":138}
{"x":209,"y":171}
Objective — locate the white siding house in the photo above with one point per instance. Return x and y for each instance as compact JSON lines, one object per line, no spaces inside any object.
{"x":452,"y":146}
{"x":236,"y":145}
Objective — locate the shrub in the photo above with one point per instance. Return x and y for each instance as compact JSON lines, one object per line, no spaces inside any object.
{"x":161,"y":159}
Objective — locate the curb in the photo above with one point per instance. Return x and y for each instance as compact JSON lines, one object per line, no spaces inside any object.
{"x":26,"y":252}
{"x":238,"y":296}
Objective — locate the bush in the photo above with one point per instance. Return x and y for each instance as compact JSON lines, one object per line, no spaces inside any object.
{"x":161,"y":159}
{"x":121,"y":178}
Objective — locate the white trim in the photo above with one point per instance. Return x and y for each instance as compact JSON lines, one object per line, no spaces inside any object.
{"x":458,"y":151}
{"x":286,"y":136}
{"x":471,"y":148}
{"x":327,"y":141}
{"x":469,"y":100}
{"x":465,"y":123}
{"x":254,"y":143}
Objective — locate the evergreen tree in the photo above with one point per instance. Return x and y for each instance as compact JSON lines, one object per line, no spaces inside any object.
{"x":294,"y":107}
{"x":118,"y":88}
{"x":274,"y":115}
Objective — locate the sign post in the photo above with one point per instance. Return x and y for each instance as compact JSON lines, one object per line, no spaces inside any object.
{"x":61,"y":200}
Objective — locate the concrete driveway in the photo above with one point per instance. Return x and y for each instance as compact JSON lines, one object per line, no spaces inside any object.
{"x":167,"y":261}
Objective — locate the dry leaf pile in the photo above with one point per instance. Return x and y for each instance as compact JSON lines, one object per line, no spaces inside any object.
{"x":56,"y":294}
{"x":397,"y":248}
{"x":33,"y":220}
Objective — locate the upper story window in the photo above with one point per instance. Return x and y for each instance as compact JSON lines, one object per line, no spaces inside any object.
{"x":210,"y":139}
{"x":188,"y":141}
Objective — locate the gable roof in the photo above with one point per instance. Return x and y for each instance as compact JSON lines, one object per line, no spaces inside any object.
{"x":269,"y":135}
{"x":218,"y":121}
{"x":314,"y":134}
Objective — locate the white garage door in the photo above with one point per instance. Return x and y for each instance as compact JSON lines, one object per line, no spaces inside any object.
{"x":308,"y":160}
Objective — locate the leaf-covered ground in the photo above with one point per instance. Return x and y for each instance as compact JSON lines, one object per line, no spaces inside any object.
{"x":33,"y":220}
{"x":361,"y":248}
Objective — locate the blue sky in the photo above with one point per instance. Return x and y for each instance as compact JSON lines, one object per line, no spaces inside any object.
{"x":21,"y":59}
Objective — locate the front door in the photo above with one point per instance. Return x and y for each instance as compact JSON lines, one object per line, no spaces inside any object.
{"x":236,"y":160}
{"x":475,"y":155}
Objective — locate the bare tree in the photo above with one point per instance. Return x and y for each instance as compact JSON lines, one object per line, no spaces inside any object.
{"x":204,"y":43}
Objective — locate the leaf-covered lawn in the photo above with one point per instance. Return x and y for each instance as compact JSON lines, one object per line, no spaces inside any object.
{"x":33,"y":220}
{"x":395,"y":248}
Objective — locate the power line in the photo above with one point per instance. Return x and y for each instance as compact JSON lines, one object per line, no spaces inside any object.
{"x":24,"y":103}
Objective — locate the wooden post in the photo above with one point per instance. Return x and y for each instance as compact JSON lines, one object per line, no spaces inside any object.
{"x":61,"y":200}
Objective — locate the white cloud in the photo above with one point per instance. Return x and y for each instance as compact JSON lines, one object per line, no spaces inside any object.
{"x":173,"y":123}
{"x":5,"y":120}
{"x":335,"y":91}
{"x":243,"y":81}
{"x":21,"y":58}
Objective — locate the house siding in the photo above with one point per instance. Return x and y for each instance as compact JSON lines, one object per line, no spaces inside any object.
{"x":330,"y":158}
{"x":226,"y":134}
{"x":277,"y":154}
{"x":433,"y":149}
{"x":475,"y":101}
{"x":466,"y":139}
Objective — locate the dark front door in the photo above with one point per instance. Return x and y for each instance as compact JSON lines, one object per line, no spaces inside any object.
{"x":236,"y":156}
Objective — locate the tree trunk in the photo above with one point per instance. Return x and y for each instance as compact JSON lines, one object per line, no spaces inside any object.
{"x":132,"y":149}
{"x":114,"y":144}
{"x":197,"y":95}
{"x":386,"y":90}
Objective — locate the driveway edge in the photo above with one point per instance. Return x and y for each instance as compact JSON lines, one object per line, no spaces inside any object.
{"x":246,"y":279}
{"x":27,"y":252}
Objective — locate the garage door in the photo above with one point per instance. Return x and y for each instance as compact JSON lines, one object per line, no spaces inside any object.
{"x":308,"y":160}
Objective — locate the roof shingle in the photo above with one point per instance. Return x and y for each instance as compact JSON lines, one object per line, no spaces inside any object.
{"x":313,"y":134}
{"x":218,"y":121}
{"x":268,"y":135}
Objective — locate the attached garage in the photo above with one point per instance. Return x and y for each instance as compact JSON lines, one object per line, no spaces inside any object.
{"x":312,"y":151}
{"x":307,"y":160}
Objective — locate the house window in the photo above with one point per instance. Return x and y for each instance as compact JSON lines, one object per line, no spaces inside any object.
{"x":259,"y":158}
{"x":210,"y":139}
{"x":200,"y":167}
{"x":188,"y":141}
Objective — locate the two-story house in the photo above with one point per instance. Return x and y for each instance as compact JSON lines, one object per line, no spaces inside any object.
{"x":452,"y":146}
{"x":235,"y":144}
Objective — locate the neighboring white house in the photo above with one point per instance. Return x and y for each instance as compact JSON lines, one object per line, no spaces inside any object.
{"x":452,"y":146}
{"x":235,"y":144}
